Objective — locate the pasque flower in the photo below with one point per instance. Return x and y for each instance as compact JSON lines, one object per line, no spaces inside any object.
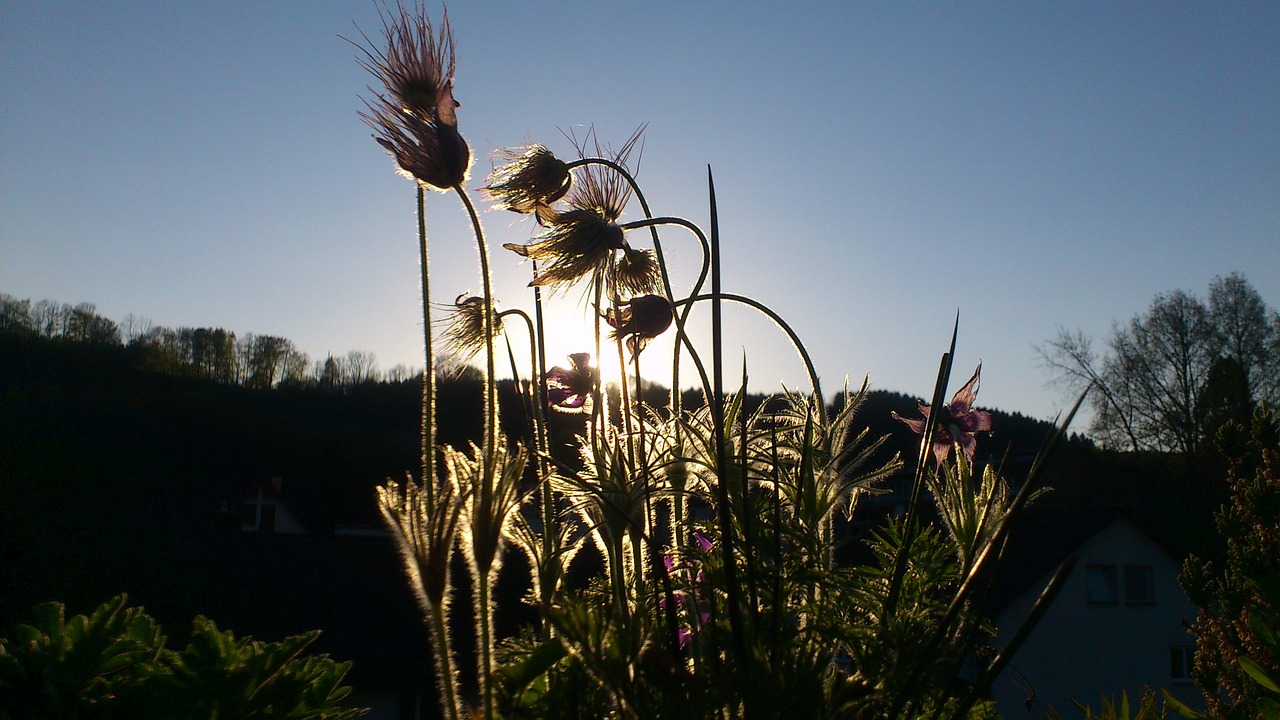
{"x":464,"y":327}
{"x":415,"y":118}
{"x":576,"y":244}
{"x":569,"y":388}
{"x":640,"y":320}
{"x":583,"y":240}
{"x":424,"y":532}
{"x":634,"y":272}
{"x":957,"y":421}
{"x":529,"y":181}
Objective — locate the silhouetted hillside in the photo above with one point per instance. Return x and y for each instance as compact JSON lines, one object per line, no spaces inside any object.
{"x":117,"y":477}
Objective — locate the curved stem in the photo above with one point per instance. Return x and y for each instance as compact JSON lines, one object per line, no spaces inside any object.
{"x":491,"y":382}
{"x":782,"y":324}
{"x":666,"y":276}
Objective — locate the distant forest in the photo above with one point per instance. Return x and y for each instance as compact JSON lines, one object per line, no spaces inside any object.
{"x":249,"y":360}
{"x":119,"y":429}
{"x":267,"y":361}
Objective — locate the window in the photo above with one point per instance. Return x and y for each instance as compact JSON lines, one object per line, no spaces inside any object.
{"x":1100,"y":584}
{"x":1138,"y":586}
{"x":1181,"y":662}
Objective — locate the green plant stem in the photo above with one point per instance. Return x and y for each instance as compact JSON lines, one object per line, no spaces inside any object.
{"x":550,"y":541}
{"x":485,"y":610}
{"x":814,"y":383}
{"x":428,"y":373}
{"x":491,"y":383}
{"x":444,"y":661}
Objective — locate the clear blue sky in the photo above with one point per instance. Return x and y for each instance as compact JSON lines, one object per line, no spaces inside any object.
{"x":879,"y":166}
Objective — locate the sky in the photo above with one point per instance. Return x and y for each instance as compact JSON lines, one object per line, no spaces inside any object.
{"x":879,"y":168}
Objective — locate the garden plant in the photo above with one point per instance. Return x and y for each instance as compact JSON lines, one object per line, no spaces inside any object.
{"x":714,"y":522}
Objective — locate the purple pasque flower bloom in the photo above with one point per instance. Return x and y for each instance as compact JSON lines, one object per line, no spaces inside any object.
{"x":694,"y":569}
{"x":640,"y":320}
{"x":569,"y":388}
{"x":957,"y":421}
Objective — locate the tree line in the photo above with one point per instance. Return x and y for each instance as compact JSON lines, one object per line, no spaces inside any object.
{"x":1173,"y":375}
{"x":250,"y":360}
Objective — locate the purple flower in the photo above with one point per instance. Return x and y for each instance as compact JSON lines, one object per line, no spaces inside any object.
{"x":640,"y":320}
{"x":957,"y":421}
{"x":680,"y":597}
{"x":568,"y":389}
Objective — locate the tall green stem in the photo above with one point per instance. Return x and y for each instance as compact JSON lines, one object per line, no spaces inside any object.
{"x":491,"y":382}
{"x":486,"y":489}
{"x":444,"y":661}
{"x":486,"y":644}
{"x":428,"y":372}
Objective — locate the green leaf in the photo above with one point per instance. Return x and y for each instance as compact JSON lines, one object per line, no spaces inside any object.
{"x":534,"y":665}
{"x":1251,"y":666}
{"x":1181,"y":708}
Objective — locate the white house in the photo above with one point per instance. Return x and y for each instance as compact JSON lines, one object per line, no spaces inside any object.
{"x":1118,"y":624}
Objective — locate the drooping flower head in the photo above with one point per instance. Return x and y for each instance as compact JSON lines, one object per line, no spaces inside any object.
{"x":640,"y":320}
{"x":957,"y":421}
{"x":569,"y":389}
{"x":634,"y":272}
{"x":576,"y":244}
{"x":583,"y":240}
{"x":463,"y":334}
{"x":415,"y":115}
{"x":529,"y":180}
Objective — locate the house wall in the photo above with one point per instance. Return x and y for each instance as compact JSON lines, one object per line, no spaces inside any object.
{"x":1086,"y":650}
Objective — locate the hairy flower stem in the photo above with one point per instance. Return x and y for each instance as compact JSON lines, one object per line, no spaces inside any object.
{"x":538,"y":404}
{"x":646,"y":480}
{"x":428,"y":372}
{"x":485,"y":610}
{"x":624,"y":396}
{"x":448,"y":677}
{"x":486,"y":489}
{"x":682,"y":337}
{"x":491,"y":383}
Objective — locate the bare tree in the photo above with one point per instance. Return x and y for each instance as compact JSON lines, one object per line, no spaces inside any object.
{"x":1165,"y":372}
{"x":360,"y":367}
{"x":1246,"y":331}
{"x":48,"y":318}
{"x":134,"y":328}
{"x":401,"y":373}
{"x":15,"y":315}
